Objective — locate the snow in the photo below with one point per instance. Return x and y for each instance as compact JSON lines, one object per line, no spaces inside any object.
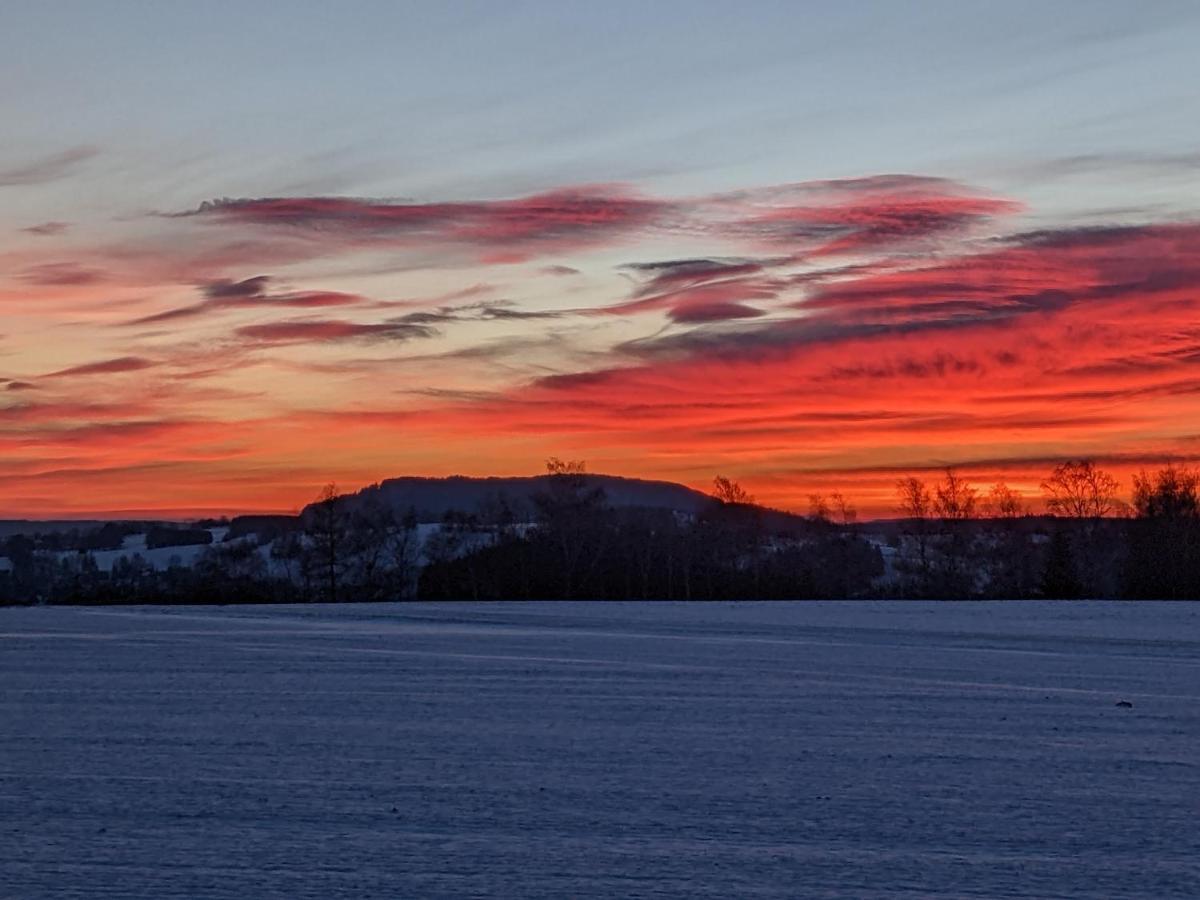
{"x":895,"y":750}
{"x":160,"y":558}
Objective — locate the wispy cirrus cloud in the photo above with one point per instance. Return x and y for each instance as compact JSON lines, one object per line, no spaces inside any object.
{"x":700,"y":290}
{"x":490,"y":310}
{"x":48,"y":168}
{"x":501,"y":230}
{"x":824,"y":218}
{"x":248,"y":293}
{"x":115,"y":366}
{"x":782,"y":333}
{"x":47,"y":229}
{"x":68,"y":411}
{"x":62,"y":274}
{"x":671,"y":274}
{"x":301,"y":331}
{"x":1126,"y":164}
{"x":944,"y":353}
{"x":873,"y":221}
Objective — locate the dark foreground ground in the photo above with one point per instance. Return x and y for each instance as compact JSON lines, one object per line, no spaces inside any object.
{"x":601,"y":750}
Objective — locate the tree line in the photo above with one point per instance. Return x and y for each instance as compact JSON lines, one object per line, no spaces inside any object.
{"x":952,"y":540}
{"x":955,"y":540}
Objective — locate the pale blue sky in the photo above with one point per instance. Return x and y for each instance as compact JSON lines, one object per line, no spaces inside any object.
{"x":457,"y":100}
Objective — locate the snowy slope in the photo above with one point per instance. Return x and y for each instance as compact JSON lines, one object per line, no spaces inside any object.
{"x":158,"y":558}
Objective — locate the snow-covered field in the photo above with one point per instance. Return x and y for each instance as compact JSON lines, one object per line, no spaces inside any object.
{"x":601,"y":750}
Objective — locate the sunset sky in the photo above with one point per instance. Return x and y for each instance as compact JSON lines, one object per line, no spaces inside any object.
{"x":250,"y":248}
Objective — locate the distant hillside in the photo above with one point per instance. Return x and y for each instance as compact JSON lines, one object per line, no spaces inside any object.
{"x":432,"y":498}
{"x":10,"y":527}
{"x":266,"y":527}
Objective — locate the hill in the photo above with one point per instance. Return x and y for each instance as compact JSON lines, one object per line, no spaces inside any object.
{"x":432,"y":498}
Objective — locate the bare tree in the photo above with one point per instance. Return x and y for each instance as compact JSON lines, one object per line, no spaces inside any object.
{"x":566,"y":467}
{"x":1004,"y":503}
{"x":1170,"y":493}
{"x":289,"y":552}
{"x":1164,"y":539}
{"x":916,"y":505}
{"x":570,"y":518}
{"x":847,"y":513}
{"x":403,"y":553}
{"x":954,"y":503}
{"x":818,"y":508}
{"x":954,"y":497}
{"x":1078,"y":490}
{"x":729,"y":491}
{"x":915,"y":499}
{"x":1008,"y":562}
{"x":381,"y":550}
{"x":326,"y":529}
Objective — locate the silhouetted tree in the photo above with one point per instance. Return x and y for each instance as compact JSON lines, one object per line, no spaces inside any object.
{"x":729,"y":491}
{"x":571,"y":520}
{"x":1172,"y":493}
{"x":289,"y":552}
{"x":916,"y":506}
{"x":381,"y":550}
{"x":818,"y":508}
{"x":1164,"y":538}
{"x":1078,"y":490}
{"x":954,"y":498}
{"x":729,"y":535}
{"x":451,"y":550}
{"x":1004,"y":503}
{"x":1012,"y":569}
{"x":326,"y":528}
{"x":915,"y":499}
{"x":565,"y":467}
{"x":954,"y":503}
{"x":1060,"y":580}
{"x":847,"y":514}
{"x":233,"y":572}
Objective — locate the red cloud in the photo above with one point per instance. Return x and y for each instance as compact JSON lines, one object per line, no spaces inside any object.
{"x":852,"y":215}
{"x":713,"y":295}
{"x":512,"y":229}
{"x":1048,"y":346}
{"x":870,"y":222}
{"x":995,"y":355}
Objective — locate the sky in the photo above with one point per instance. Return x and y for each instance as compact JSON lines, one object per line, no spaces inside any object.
{"x":813,"y":247}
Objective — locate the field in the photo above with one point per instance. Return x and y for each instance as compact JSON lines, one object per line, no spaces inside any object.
{"x":899,"y":750}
